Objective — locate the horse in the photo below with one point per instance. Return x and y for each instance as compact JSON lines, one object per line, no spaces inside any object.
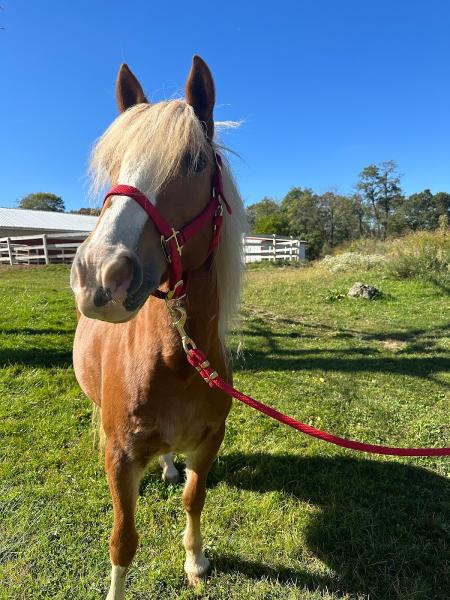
{"x":128,"y":358}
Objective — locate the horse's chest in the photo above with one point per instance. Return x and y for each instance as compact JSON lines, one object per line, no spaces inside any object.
{"x":175,"y":424}
{"x":152,"y":400}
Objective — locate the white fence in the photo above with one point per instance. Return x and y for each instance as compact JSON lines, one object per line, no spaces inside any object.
{"x":61,"y":248}
{"x":40,"y":249}
{"x":273,"y":247}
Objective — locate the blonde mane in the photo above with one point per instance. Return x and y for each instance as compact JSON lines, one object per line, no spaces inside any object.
{"x":138,"y":138}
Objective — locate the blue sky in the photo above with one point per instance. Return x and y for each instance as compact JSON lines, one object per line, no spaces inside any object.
{"x":324,"y":87}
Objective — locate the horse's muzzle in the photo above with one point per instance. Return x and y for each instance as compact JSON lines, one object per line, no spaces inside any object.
{"x":103,"y":288}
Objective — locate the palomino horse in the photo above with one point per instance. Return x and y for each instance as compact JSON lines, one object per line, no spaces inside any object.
{"x":128,"y":358}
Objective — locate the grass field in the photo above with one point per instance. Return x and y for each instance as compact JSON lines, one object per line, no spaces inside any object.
{"x":286,"y":516}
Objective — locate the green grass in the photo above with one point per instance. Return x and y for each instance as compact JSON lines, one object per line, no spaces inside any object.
{"x":286,"y":516}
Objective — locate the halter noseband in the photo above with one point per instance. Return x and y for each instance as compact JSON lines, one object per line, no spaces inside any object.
{"x":172,"y":241}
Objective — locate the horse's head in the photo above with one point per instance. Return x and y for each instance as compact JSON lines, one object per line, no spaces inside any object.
{"x":165,"y":151}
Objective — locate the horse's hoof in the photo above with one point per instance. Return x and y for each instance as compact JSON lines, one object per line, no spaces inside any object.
{"x":196,"y":571}
{"x":194,"y":580}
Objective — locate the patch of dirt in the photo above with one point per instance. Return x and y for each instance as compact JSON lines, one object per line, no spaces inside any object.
{"x":393,"y":345}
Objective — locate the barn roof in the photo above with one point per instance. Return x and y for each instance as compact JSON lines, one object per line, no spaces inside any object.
{"x":18,"y":218}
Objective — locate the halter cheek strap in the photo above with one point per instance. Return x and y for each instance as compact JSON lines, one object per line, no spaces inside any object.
{"x":172,"y":241}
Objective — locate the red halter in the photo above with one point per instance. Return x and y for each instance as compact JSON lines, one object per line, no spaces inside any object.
{"x":172,"y":241}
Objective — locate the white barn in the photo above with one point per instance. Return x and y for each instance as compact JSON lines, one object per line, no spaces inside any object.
{"x":21,"y":222}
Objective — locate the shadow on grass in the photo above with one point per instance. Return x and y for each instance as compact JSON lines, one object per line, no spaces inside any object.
{"x":383,"y":527}
{"x":36,"y":331}
{"x":254,"y":570}
{"x":369,"y":358}
{"x":351,"y":361}
{"x":35,"y":357}
{"x":308,"y":330}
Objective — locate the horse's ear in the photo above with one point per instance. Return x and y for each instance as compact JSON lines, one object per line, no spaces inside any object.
{"x":128,"y":89}
{"x":200,"y":93}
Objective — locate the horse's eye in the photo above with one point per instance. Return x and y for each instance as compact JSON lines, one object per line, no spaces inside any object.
{"x":197,"y":164}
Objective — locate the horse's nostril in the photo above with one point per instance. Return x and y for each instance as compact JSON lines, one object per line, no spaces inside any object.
{"x":136,"y":280}
{"x":102,"y":296}
{"x":117,"y":275}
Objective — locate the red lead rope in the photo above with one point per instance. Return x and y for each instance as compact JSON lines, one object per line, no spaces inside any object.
{"x":198,"y":360}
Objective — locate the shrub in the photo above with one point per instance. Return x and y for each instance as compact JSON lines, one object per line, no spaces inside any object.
{"x":349,"y":261}
{"x":279,"y":263}
{"x":333,"y":295}
{"x":424,"y":254}
{"x":368,"y":245}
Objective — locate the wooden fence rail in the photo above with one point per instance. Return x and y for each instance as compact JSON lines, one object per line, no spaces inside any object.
{"x":61,"y":248}
{"x":272,"y":248}
{"x":40,"y":249}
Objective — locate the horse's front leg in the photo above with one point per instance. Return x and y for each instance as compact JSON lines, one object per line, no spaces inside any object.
{"x":198,"y":464}
{"x":124,"y":475}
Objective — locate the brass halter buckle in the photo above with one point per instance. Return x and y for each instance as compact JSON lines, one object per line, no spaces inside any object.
{"x":165,"y":241}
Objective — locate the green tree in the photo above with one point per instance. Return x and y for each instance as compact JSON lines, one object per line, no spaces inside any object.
{"x":305,"y":219}
{"x":341,"y":219}
{"x":275,"y":223}
{"x":266,"y":217}
{"x":442,"y":203}
{"x":391,"y":196}
{"x":359,"y":213}
{"x":42,"y":201}
{"x":418,"y":211}
{"x":423,"y":210}
{"x":367,"y":186}
{"x":380,"y":187}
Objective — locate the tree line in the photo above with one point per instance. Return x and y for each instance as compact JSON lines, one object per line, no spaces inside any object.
{"x":53,"y":203}
{"x":377,"y":208}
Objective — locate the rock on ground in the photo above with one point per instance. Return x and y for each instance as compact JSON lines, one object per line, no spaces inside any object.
{"x":363,"y":290}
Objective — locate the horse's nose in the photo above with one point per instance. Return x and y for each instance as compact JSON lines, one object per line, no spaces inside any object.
{"x":120,"y":276}
{"x":103,"y":285}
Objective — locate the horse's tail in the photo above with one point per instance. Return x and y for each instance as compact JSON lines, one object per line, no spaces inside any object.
{"x":98,"y":433}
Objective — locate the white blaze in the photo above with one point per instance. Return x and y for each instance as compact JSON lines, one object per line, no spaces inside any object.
{"x":123,"y":221}
{"x":121,"y":225}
